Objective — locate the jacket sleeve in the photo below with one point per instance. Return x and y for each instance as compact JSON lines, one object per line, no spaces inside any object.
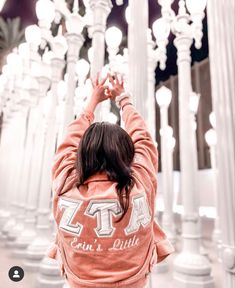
{"x":146,"y":156}
{"x":64,"y":169}
{"x":163,"y":246}
{"x":54,"y":253}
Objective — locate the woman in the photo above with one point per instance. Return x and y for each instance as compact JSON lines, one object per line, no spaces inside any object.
{"x":104,"y":184}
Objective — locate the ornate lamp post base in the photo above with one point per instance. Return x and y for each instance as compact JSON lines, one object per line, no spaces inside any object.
{"x":22,"y":242}
{"x":162,"y":267}
{"x":192,"y":270}
{"x":49,"y":276}
{"x":37,"y":249}
{"x":7,"y":228}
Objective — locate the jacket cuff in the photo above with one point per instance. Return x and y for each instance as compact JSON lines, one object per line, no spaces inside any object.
{"x":164,"y":248}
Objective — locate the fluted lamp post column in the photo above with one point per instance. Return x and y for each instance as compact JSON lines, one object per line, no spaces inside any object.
{"x":82,"y":70}
{"x":211,"y":140}
{"x":29,"y":232}
{"x":190,"y":268}
{"x":100,"y":10}
{"x":74,"y":25}
{"x":137,"y":46}
{"x":18,"y":201}
{"x":45,"y":10}
{"x":113,"y":38}
{"x":163,"y":97}
{"x":36,"y":250}
{"x":33,"y":38}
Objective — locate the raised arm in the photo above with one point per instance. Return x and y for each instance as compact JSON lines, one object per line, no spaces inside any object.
{"x":146,"y":157}
{"x":64,"y":168}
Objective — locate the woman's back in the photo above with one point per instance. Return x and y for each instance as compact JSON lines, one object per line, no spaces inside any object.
{"x":107,"y":236}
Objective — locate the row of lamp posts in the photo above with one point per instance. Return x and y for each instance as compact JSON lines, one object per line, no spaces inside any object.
{"x":33,"y":201}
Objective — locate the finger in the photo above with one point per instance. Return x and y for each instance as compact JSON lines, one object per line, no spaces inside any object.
{"x":117,"y":80}
{"x":103,"y":80}
{"x":105,"y":87}
{"x":92,"y":82}
{"x":122,"y":79}
{"x":97,"y":79}
{"x":111,"y":80}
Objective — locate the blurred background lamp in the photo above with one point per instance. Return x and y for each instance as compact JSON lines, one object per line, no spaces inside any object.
{"x":212,"y":119}
{"x":112,"y":118}
{"x":82,"y":68}
{"x":163,"y":96}
{"x":113,"y":37}
{"x":171,"y":143}
{"x":59,"y":44}
{"x":45,"y":10}
{"x":210,"y":137}
{"x":2,"y":3}
{"x":61,"y":90}
{"x":194,"y":102}
{"x":33,"y":34}
{"x":196,"y":6}
{"x":127,"y":14}
{"x":161,"y":29}
{"x":90,"y":54}
{"x":24,"y":50}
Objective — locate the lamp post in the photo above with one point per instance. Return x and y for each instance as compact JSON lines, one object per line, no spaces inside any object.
{"x":163,"y":97}
{"x":45,"y":10}
{"x":211,"y":140}
{"x":18,"y":199}
{"x":29,"y":232}
{"x":113,"y":38}
{"x":33,"y":38}
{"x":221,"y":42}
{"x":100,"y":10}
{"x":191,"y":268}
{"x":74,"y":25}
{"x":137,"y":46}
{"x":37,"y":248}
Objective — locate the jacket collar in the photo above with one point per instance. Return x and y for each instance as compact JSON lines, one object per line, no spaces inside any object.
{"x":101,"y":176}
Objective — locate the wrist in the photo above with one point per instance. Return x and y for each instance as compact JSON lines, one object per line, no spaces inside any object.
{"x":122,"y":99}
{"x":91,"y":105}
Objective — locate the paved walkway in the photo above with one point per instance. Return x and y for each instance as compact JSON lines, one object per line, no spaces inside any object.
{"x":160,"y":280}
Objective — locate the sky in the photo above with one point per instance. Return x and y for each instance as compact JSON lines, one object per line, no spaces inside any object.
{"x":25,"y":9}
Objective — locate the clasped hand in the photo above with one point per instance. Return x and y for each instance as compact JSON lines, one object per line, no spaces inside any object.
{"x":102,"y":91}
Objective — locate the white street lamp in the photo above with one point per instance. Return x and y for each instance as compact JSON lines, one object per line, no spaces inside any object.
{"x":33,"y":35}
{"x":211,"y":140}
{"x":82,"y":70}
{"x":186,"y":271}
{"x":45,"y":10}
{"x":212,"y":119}
{"x":163,"y":96}
{"x":127,"y":14}
{"x":62,"y":90}
{"x":113,"y":38}
{"x":23,"y":50}
{"x":74,"y":22}
{"x":195,"y":7}
{"x":112,"y":118}
{"x":2,"y":3}
{"x":161,"y":31}
{"x":194,"y":102}
{"x":210,"y":137}
{"x":90,"y":54}
{"x":59,"y":45}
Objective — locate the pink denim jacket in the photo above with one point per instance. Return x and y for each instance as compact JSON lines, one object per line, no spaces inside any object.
{"x":94,"y":250}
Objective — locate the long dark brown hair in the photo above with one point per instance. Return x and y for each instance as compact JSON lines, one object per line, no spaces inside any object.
{"x":108,"y":148}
